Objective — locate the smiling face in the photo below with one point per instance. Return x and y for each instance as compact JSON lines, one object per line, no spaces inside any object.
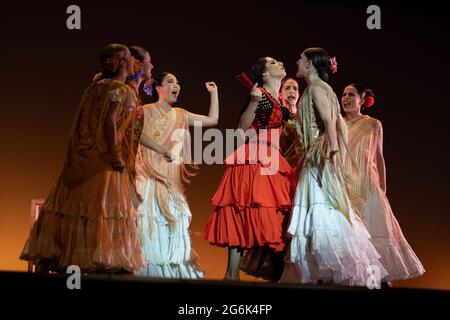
{"x":351,"y":100}
{"x":289,"y":94}
{"x":169,"y":89}
{"x":274,"y":69}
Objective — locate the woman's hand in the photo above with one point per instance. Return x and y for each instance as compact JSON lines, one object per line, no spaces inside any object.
{"x":255,"y":93}
{"x":118,"y":164}
{"x":332,"y":156}
{"x":211,"y":86}
{"x":167,"y":155}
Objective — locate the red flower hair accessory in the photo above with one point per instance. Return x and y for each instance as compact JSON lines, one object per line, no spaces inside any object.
{"x":368,"y":101}
{"x":137,"y":65}
{"x":111,"y":64}
{"x":333,"y":64}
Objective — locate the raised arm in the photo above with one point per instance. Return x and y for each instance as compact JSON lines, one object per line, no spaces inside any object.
{"x":248,"y":116}
{"x":323,"y":107}
{"x":213,"y":116}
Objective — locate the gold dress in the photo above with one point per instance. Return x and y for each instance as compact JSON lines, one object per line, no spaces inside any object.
{"x":369,"y":179}
{"x":89,"y":218}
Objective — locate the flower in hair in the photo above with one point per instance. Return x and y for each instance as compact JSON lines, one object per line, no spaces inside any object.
{"x":369,"y":101}
{"x":111,"y":64}
{"x":333,"y":65}
{"x":138,"y":70}
{"x":148,"y":88}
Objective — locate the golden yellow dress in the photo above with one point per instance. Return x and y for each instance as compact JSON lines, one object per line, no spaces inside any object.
{"x":89,"y":218}
{"x":369,"y":180}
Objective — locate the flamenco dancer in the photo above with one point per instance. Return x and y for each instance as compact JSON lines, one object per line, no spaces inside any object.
{"x":365,"y":142}
{"x":329,"y":242}
{"x":253,"y":199}
{"x":262,"y":262}
{"x":89,"y":218}
{"x":164,"y":214}
{"x":289,"y":96}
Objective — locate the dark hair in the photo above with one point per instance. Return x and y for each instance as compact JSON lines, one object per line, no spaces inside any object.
{"x":157,"y":82}
{"x":285,"y":79}
{"x":109,"y":51}
{"x":364,"y":93}
{"x":256,"y":76}
{"x":138,"y":52}
{"x":257,"y":70}
{"x":321,"y":61}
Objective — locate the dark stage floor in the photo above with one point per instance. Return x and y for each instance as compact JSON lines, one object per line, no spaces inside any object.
{"x":180,"y":299}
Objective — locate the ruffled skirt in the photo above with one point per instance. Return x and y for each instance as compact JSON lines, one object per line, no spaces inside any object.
{"x":325,"y":245}
{"x":167,"y":251}
{"x":92,"y":225}
{"x":397,"y":256}
{"x":252,"y":203}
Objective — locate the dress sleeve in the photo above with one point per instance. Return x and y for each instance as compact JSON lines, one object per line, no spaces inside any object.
{"x":114,"y":95}
{"x":130,"y":102}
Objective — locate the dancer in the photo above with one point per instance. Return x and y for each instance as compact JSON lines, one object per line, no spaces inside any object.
{"x":164,"y":215}
{"x":289,"y":142}
{"x":262,"y":262}
{"x":365,"y":141}
{"x":329,"y":242}
{"x":142,"y":68}
{"x":89,"y":218}
{"x":253,"y":199}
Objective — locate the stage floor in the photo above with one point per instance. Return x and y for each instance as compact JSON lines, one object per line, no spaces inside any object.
{"x":187,"y":299}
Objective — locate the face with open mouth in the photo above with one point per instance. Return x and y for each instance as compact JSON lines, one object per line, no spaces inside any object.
{"x":289,"y":94}
{"x":169,"y":89}
{"x":351,"y":100}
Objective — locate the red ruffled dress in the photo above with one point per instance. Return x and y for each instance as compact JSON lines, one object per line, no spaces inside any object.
{"x":253,"y":199}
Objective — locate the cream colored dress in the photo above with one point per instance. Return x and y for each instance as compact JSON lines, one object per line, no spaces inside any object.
{"x":369,"y":180}
{"x":164,"y":215}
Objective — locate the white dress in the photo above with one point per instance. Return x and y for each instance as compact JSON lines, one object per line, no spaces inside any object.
{"x":167,"y":252}
{"x":329,"y":241}
{"x":324,"y":245}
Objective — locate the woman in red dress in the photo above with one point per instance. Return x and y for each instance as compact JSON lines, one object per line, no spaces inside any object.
{"x":253,"y":199}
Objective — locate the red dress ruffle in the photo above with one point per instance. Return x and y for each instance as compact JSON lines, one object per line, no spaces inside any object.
{"x":253,"y":198}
